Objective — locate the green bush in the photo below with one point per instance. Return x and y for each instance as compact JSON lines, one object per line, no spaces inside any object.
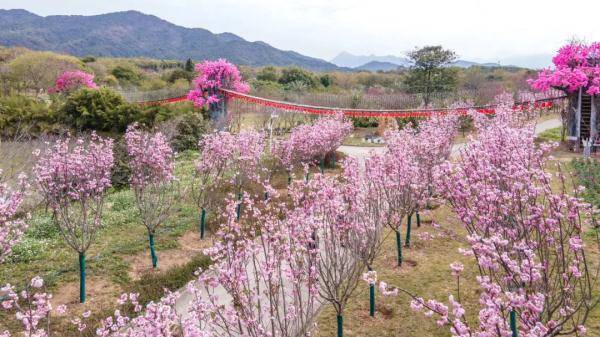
{"x":365,"y":122}
{"x":296,"y":76}
{"x":268,"y":74}
{"x":326,"y":80}
{"x":98,"y":109}
{"x":20,"y":113}
{"x":126,"y":75}
{"x":121,"y":170}
{"x":188,"y":131}
{"x":27,"y":250}
{"x":179,"y":74}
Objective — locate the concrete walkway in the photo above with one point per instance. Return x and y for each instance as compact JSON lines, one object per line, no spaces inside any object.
{"x":361,"y":152}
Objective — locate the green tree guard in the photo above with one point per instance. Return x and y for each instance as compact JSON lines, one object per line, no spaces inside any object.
{"x":307,"y":176}
{"x":322,"y":165}
{"x":408,"y":228}
{"x":333,"y":160}
{"x":372,"y":300}
{"x":152,"y":252}
{"x":238,"y":209}
{"x":266,"y":195}
{"x":513,"y":324}
{"x":202,"y":223}
{"x":289,"y":178}
{"x":399,"y":248}
{"x":81,"y":278}
{"x":340,"y":326}
{"x":418,"y":220}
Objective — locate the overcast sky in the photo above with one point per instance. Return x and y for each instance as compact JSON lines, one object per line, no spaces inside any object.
{"x":510,"y":31}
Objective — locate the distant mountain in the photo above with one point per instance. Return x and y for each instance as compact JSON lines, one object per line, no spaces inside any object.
{"x":467,"y":64}
{"x":346,"y":59}
{"x":378,"y":66}
{"x":134,"y":34}
{"x":372,"y":62}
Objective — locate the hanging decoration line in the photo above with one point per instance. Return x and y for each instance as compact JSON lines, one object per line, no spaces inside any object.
{"x":165,"y":101}
{"x":545,"y":103}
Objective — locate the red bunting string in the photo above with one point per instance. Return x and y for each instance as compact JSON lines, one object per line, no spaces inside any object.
{"x":164,"y":101}
{"x":546,"y":103}
{"x":403,"y":113}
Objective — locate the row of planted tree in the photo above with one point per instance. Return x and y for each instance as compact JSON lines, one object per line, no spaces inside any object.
{"x":277,"y":257}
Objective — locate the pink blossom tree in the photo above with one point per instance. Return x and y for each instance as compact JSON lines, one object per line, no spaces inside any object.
{"x":260,"y":283}
{"x":399,"y":181}
{"x":73,"y":182}
{"x":576,"y":66}
{"x":323,"y":205}
{"x":526,"y":239}
{"x":152,"y":180}
{"x":225,"y":155}
{"x":212,"y":77}
{"x":70,"y":81}
{"x":12,"y":227}
{"x":369,"y":211}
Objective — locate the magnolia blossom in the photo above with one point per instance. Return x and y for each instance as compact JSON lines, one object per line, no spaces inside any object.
{"x":72,"y":80}
{"x":215,"y":75}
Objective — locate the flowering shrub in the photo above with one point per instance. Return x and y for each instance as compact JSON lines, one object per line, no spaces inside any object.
{"x":73,"y":80}
{"x":577,"y":66}
{"x":11,"y":228}
{"x":308,"y":143}
{"x":212,"y":76}
{"x":73,"y":182}
{"x":152,"y":180}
